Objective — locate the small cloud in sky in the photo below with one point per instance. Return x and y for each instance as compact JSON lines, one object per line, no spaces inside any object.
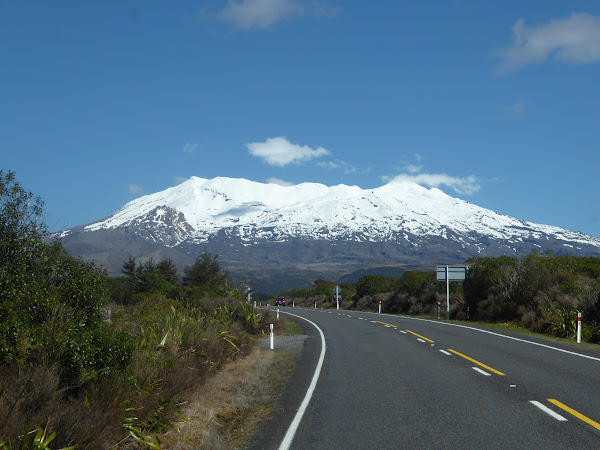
{"x":190,"y":148}
{"x":337,"y":164}
{"x":516,"y":110}
{"x":278,"y":151}
{"x":279,"y":182}
{"x":179,"y":180}
{"x":413,"y":168}
{"x":136,"y":190}
{"x":573,"y":39}
{"x":257,"y":14}
{"x":468,"y":185}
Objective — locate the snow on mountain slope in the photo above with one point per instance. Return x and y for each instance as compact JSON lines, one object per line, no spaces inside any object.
{"x":203,"y":207}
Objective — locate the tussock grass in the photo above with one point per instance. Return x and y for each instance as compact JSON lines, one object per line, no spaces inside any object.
{"x":223,"y":412}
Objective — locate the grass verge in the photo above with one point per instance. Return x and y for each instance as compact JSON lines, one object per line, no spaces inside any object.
{"x":224,"y":412}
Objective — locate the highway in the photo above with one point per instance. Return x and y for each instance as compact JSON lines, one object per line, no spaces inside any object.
{"x":399,"y":382}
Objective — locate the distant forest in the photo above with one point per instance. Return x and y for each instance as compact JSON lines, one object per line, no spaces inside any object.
{"x":540,"y":292}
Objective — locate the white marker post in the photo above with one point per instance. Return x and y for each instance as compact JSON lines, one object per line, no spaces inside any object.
{"x":277,"y":313}
{"x":272,"y":343}
{"x":379,"y":306}
{"x":315,"y":304}
{"x":579,"y":328}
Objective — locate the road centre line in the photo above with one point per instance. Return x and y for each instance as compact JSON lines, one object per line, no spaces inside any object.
{"x":383,"y":323}
{"x":548,"y":411}
{"x":580,"y":416}
{"x":419,"y":336}
{"x":446,"y":353}
{"x":502,"y":336}
{"x":291,"y":432}
{"x":477,"y":362}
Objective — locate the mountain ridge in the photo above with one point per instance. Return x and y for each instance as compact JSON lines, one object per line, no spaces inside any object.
{"x":337,"y":229}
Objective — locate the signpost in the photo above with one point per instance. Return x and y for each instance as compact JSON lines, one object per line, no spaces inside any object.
{"x":447,"y":274}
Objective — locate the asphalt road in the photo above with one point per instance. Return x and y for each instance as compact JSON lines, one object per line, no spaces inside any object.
{"x":399,"y":382}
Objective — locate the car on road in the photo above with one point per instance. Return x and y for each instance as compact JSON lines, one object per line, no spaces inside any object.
{"x":280,"y":301}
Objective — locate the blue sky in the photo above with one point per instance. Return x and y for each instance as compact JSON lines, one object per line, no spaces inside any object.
{"x":497,"y":103}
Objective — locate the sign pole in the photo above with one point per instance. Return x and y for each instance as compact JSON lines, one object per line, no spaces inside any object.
{"x":447,"y":295}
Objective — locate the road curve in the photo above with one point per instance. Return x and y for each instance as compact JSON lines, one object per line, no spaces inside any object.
{"x":399,"y":382}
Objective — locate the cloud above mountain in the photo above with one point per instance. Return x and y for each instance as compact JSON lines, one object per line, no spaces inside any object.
{"x":575,"y":39}
{"x":468,"y":185}
{"x":280,"y":152}
{"x":258,"y":14}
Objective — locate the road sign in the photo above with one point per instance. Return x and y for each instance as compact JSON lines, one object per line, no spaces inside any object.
{"x":447,"y":274}
{"x":336,"y":291}
{"x":455,"y":273}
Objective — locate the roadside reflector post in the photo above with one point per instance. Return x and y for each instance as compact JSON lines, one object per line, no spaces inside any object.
{"x":272,"y":343}
{"x":439,"y":310}
{"x":579,"y":328}
{"x":315,"y":304}
{"x":293,"y":304}
{"x":277,"y":313}
{"x":379,"y":306}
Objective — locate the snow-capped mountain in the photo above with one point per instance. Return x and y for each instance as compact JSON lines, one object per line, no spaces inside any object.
{"x":253,"y":224}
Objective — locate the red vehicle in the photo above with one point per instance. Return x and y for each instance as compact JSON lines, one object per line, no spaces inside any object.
{"x":280,"y":301}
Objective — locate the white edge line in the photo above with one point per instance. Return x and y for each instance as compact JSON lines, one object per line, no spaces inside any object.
{"x":291,"y":432}
{"x":548,"y":411}
{"x":446,"y":353}
{"x":482,"y":372}
{"x":420,"y":340}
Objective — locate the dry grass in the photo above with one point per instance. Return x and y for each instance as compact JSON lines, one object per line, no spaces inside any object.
{"x":223,"y":412}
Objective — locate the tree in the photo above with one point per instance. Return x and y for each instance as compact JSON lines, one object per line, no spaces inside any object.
{"x":21,"y":222}
{"x":50,"y":302}
{"x":146,"y":277}
{"x":206,"y":274}
{"x":168,"y":271}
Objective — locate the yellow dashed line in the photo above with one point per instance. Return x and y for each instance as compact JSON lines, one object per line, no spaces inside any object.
{"x":477,"y":362}
{"x":383,"y":323}
{"x":580,"y":416}
{"x":418,"y":335}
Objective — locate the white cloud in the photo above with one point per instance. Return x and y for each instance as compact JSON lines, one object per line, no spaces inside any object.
{"x":280,"y":152}
{"x":337,"y":164}
{"x":413,"y":168}
{"x":574,"y":39}
{"x":179,"y":180}
{"x":134,"y":189}
{"x":190,"y":148}
{"x":516,"y":110}
{"x":279,"y":182}
{"x":467,"y":186}
{"x":257,"y":14}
